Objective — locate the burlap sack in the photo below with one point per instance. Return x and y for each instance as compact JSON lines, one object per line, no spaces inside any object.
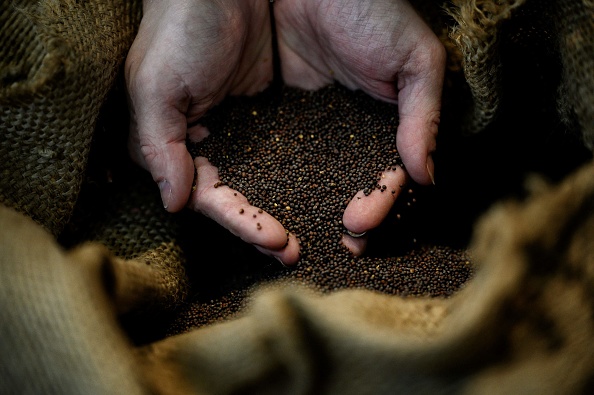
{"x":58,"y":60}
{"x":59,"y":63}
{"x":522,"y":325}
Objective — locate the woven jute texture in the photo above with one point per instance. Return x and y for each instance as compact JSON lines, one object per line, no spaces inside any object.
{"x":561,"y":28}
{"x":58,"y":61}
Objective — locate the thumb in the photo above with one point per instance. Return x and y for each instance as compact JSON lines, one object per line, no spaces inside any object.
{"x":420,"y":86}
{"x":158,"y":143}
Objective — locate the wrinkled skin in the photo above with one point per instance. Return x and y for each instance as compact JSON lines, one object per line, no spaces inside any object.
{"x":190,"y":54}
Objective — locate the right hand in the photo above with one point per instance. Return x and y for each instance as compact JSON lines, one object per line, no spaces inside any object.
{"x":189,"y":55}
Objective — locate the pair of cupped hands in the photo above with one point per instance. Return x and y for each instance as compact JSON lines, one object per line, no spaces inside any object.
{"x":190,"y":54}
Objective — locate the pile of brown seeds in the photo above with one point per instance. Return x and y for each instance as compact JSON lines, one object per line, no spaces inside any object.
{"x":307,"y":164}
{"x":302,"y":156}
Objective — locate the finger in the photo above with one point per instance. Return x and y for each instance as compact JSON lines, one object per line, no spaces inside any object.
{"x":367,"y":212}
{"x":197,"y":133}
{"x":288,"y":255}
{"x":419,"y":101}
{"x":166,"y":157}
{"x":158,"y":138}
{"x":356,"y":245}
{"x":232,"y":210}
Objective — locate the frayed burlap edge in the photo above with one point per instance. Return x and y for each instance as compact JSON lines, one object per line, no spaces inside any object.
{"x":476,"y":34}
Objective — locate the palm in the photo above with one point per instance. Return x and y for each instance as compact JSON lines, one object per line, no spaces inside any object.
{"x":342,"y":40}
{"x":380,"y":46}
{"x":188,"y":55}
{"x":202,"y":53}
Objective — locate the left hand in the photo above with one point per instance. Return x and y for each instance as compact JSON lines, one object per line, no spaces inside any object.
{"x":384,"y":48}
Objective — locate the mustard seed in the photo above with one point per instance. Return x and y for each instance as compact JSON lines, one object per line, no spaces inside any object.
{"x":302,"y":161}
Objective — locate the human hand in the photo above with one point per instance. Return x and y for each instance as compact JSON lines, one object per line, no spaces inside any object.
{"x":384,"y":48}
{"x":189,"y":55}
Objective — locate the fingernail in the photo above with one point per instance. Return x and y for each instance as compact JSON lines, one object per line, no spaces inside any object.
{"x":280,"y":260}
{"x":430,"y":168}
{"x":356,"y":235}
{"x":166,"y":192}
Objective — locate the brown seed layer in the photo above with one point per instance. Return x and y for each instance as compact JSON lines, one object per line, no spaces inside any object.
{"x":302,"y":156}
